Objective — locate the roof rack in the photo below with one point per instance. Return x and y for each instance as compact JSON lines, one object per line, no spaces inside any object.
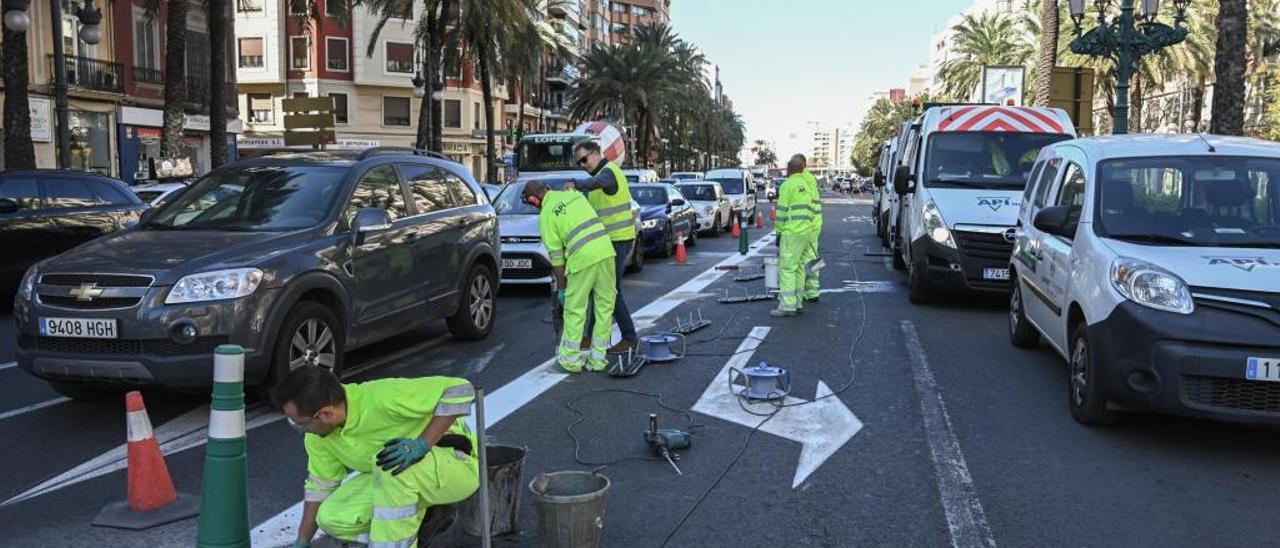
{"x":380,"y":151}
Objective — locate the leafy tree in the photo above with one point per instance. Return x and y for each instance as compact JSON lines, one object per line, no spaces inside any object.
{"x":985,"y":40}
{"x":764,"y":153}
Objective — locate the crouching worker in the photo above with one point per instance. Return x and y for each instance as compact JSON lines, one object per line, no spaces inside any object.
{"x":411,"y":454}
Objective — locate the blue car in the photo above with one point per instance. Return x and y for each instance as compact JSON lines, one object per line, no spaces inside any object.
{"x":664,"y":214}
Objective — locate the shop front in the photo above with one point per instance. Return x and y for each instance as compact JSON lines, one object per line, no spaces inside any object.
{"x":252,"y":147}
{"x":140,"y":134}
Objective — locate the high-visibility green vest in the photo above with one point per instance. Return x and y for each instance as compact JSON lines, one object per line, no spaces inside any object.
{"x":794,"y":209}
{"x":573,"y":234}
{"x":615,"y":211}
{"x":816,"y":204}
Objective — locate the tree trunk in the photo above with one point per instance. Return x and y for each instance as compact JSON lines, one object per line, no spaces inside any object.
{"x":437,"y":22}
{"x":423,"y":138}
{"x":19,"y":151}
{"x":175,"y":78}
{"x":1228,"y":68}
{"x":1135,"y":104}
{"x":218,"y":30}
{"x":1197,"y":106}
{"x":486,"y":87}
{"x":1048,"y":49}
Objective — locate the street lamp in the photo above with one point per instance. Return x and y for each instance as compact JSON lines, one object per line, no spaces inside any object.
{"x":16,"y":19}
{"x":419,"y":86}
{"x":1125,"y":39}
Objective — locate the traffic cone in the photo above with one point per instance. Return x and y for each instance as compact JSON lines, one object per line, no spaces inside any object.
{"x":682,"y":256}
{"x":224,"y":512}
{"x":152,"y":498}
{"x":773,"y":214}
{"x":759,"y":219}
{"x":736,"y":231}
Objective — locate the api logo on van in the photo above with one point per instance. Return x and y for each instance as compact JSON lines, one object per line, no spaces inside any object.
{"x":997,"y":202}
{"x":1247,"y":264}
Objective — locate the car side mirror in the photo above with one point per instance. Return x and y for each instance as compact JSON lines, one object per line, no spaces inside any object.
{"x":370,"y":220}
{"x":1055,"y":220}
{"x":8,"y":205}
{"x":902,"y":180}
{"x":879,"y":178}
{"x":677,"y":202}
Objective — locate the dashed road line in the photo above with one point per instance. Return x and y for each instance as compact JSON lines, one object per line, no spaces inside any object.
{"x":32,"y":407}
{"x":7,"y":365}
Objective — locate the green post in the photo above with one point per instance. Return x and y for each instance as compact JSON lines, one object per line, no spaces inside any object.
{"x":742,"y":231}
{"x":224,"y":507}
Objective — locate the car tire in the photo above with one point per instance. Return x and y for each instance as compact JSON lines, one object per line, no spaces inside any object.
{"x":478,"y":307}
{"x":311,"y":348}
{"x":895,"y":249}
{"x":80,"y":391}
{"x":1084,"y":393}
{"x":637,"y":260}
{"x":715,"y":227}
{"x":917,"y":293}
{"x":1021,"y":333}
{"x":692,"y":239}
{"x":668,"y":244}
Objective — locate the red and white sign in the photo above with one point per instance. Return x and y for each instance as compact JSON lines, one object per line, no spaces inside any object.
{"x":611,"y":142}
{"x":998,"y":118}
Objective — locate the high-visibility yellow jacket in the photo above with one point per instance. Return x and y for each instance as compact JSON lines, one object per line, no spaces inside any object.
{"x":795,"y":213}
{"x":378,"y":411}
{"x":816,"y":205}
{"x":571,"y":230}
{"x":614,"y":210}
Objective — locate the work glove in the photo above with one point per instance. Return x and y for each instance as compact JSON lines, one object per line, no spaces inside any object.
{"x":399,"y":454}
{"x":300,"y":544}
{"x":560,"y":297}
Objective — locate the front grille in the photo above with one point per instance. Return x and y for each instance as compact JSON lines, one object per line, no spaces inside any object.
{"x":983,"y":245}
{"x":1228,"y":393}
{"x":163,"y":348}
{"x":101,"y":280}
{"x":98,"y":303}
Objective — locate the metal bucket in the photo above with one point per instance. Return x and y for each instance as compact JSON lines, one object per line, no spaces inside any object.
{"x":570,"y":508}
{"x":771,"y":273}
{"x":506,"y":474}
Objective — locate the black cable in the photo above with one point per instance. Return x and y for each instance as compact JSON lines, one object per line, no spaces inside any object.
{"x":577,"y":445}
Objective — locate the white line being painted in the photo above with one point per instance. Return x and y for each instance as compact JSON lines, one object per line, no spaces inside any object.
{"x":821,"y":427}
{"x":281,"y":529}
{"x":7,"y":365}
{"x":965,"y":517}
{"x":33,"y":407}
{"x":875,"y":286}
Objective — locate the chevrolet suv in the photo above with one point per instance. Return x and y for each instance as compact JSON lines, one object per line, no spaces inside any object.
{"x":298,"y":258}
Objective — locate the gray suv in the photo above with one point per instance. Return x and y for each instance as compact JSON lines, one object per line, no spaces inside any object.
{"x":298,"y":258}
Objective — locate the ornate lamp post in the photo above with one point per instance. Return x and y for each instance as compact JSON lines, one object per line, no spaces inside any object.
{"x":1125,"y":39}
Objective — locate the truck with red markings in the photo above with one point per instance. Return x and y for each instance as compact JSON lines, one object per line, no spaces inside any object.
{"x":960,"y":185}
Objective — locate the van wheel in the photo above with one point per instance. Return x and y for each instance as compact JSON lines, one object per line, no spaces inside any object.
{"x":311,"y":335}
{"x":1084,"y":392}
{"x":80,"y":391}
{"x":896,"y":250}
{"x":478,"y":307}
{"x":1021,"y":333}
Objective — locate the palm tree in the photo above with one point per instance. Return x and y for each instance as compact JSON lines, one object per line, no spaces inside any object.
{"x":19,"y":151}
{"x":1048,"y":49}
{"x":1228,"y":68}
{"x":175,"y":76}
{"x":763,"y":153}
{"x":218,"y":38}
{"x":484,"y":27}
{"x":986,"y":40}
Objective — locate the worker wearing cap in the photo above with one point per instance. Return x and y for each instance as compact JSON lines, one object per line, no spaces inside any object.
{"x":412,"y":457}
{"x":582,"y":261}
{"x":610,"y":195}
{"x":812,"y":284}
{"x":794,"y":224}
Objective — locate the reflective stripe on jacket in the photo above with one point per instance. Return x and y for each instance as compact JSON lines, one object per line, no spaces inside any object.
{"x":795,"y":208}
{"x":574,"y":236}
{"x":816,"y":196}
{"x":615,"y":211}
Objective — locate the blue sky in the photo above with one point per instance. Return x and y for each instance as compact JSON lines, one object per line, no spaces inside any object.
{"x":785,"y":64}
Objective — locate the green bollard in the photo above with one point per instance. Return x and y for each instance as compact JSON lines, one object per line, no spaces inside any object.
{"x":742,"y":232}
{"x":224,"y":508}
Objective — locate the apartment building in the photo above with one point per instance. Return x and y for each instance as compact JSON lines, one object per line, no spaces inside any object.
{"x":596,"y":24}
{"x":626,"y":15}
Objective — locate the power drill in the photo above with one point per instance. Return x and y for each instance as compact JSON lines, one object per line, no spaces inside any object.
{"x":666,"y":441}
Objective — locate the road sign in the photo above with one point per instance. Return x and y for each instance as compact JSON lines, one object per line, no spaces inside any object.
{"x":1071,"y":89}
{"x":309,"y":121}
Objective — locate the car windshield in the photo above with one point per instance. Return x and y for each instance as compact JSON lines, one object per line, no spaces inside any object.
{"x":730,"y":185}
{"x":984,"y":159}
{"x":148,"y":195}
{"x":1213,"y":201}
{"x":547,"y":154}
{"x":684,"y":176}
{"x":254,"y":198}
{"x":703,"y":193}
{"x":511,"y":200}
{"x":649,"y":195}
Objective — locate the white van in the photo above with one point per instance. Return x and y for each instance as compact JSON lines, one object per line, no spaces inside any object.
{"x":1151,"y":263}
{"x":965,"y":169}
{"x":739,"y":186}
{"x":886,"y":198}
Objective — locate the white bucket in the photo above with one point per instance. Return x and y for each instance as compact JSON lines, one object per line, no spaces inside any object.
{"x":771,"y":273}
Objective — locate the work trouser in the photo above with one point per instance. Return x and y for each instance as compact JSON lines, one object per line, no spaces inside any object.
{"x":792,"y":250}
{"x":812,"y":285}
{"x":621,"y":314}
{"x":597,"y":280}
{"x":385,"y":511}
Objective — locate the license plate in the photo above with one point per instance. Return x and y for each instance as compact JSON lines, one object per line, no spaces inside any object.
{"x":995,"y":274}
{"x":1262,"y":369}
{"x":86,"y":328}
{"x":519,"y":264}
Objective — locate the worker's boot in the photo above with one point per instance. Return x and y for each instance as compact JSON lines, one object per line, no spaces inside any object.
{"x":780,"y":313}
{"x":623,"y":346}
{"x":435,"y":523}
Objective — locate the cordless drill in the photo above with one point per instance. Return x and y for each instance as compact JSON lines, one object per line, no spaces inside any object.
{"x":666,"y":441}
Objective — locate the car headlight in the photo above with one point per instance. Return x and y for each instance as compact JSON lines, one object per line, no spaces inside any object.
{"x":28,"y":285}
{"x":936,"y":227}
{"x":214,"y":286}
{"x":1151,"y":286}
{"x":651,"y":223}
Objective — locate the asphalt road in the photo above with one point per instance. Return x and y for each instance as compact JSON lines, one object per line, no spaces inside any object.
{"x":957,"y":439}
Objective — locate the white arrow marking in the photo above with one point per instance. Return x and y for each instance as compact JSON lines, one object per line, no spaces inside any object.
{"x":822,"y":427}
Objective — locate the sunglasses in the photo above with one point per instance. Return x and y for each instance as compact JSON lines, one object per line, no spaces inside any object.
{"x":303,"y":427}
{"x":583,"y":160}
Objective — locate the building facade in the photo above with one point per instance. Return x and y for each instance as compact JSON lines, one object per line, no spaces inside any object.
{"x":627,"y":15}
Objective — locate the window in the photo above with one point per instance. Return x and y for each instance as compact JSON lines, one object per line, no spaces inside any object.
{"x":340,"y":108}
{"x":462,"y":194}
{"x":395,"y":111}
{"x":620,"y":28}
{"x":378,"y":188}
{"x":297,"y":7}
{"x":619,"y":7}
{"x":299,"y":57}
{"x":68,"y":193}
{"x":249,"y":6}
{"x":640,"y":11}
{"x":22,"y":191}
{"x":476,"y":111}
{"x":250,"y":53}
{"x":1072,"y":194}
{"x":146,"y":40}
{"x":399,"y":57}
{"x":428,"y":188}
{"x":108,"y":194}
{"x":1047,"y":178}
{"x":1031,"y":181}
{"x":400,"y":10}
{"x":453,"y":113}
{"x":335,"y":7}
{"x":261,"y":109}
{"x":336,"y":54}
{"x":301,"y":95}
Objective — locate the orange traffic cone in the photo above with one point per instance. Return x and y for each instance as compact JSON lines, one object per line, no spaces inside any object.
{"x":736,"y":231}
{"x":682,"y":256}
{"x":152,"y":498}
{"x":759,"y":219}
{"x":773,"y":215}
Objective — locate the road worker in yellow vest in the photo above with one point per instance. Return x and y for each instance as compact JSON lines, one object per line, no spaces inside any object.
{"x":794,"y":225}
{"x":582,"y":261}
{"x":411,"y":454}
{"x":812,"y":284}
{"x":610,"y":195}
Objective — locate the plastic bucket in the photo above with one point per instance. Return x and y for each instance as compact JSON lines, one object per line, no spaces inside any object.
{"x":570,"y":508}
{"x":506,"y":474}
{"x":771,"y":273}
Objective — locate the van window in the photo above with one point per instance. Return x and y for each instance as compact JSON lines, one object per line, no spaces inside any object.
{"x":1072,"y":193}
{"x":1047,"y":178}
{"x":984,"y":160}
{"x":1032,"y":180}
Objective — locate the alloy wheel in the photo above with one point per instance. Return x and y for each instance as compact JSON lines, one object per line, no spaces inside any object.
{"x":313,"y":345}
{"x":1079,"y":370}
{"x":481,"y":301}
{"x":1015,"y":308}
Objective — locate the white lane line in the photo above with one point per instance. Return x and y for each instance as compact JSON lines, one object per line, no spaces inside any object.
{"x":7,"y":365}
{"x":282,"y":529}
{"x":965,"y":518}
{"x":32,"y":407}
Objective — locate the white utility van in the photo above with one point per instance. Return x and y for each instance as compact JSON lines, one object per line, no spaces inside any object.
{"x":885,"y":197}
{"x":1151,"y":263}
{"x":959,"y":189}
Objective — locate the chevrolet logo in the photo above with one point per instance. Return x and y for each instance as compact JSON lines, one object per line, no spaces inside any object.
{"x":86,"y":292}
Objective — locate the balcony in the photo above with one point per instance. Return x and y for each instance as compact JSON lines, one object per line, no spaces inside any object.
{"x":144,"y":75}
{"x":91,"y":74}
